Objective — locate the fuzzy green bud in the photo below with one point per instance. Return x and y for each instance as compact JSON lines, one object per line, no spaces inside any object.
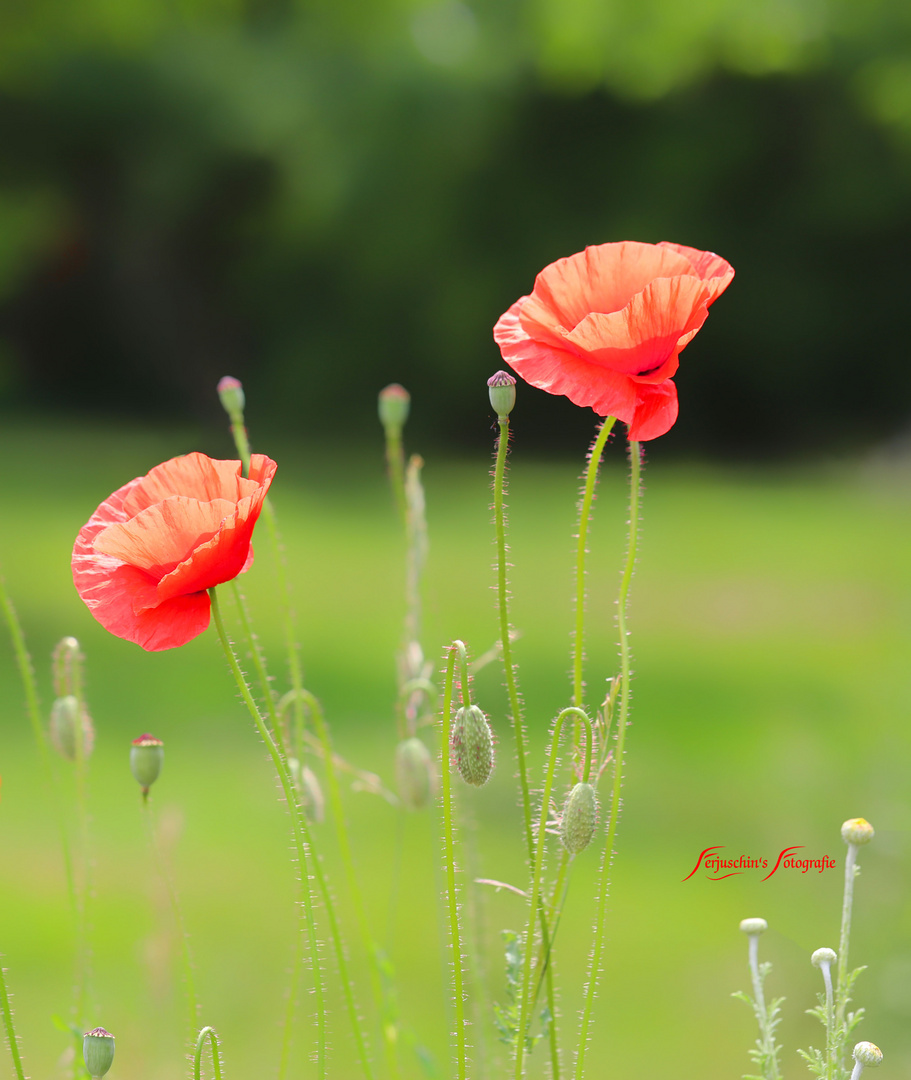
{"x":415,"y":774}
{"x":502,"y":390}
{"x":866,"y":1053}
{"x":754,"y":926}
{"x":580,"y":813}
{"x":231,"y":396}
{"x":146,"y":760}
{"x":69,"y":723}
{"x":394,"y":405}
{"x":98,"y":1051}
{"x":472,"y":745}
{"x":857,"y":831}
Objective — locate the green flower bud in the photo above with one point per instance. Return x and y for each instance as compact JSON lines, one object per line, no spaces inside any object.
{"x":231,"y":395}
{"x":754,"y":926}
{"x":580,"y":813}
{"x":394,"y":405}
{"x":415,"y":774}
{"x":857,"y":831}
{"x":146,"y":760}
{"x":823,"y":956}
{"x":98,"y":1051}
{"x":312,"y":798}
{"x":502,"y":391}
{"x":66,"y":725}
{"x":866,"y":1053}
{"x":472,"y":745}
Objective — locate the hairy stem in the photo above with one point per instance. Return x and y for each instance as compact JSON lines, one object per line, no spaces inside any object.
{"x":207,"y":1033}
{"x":8,"y":1028}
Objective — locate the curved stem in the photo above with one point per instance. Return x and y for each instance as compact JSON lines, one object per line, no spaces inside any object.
{"x":535,"y":899}
{"x":598,"y":945}
{"x":300,"y":833}
{"x":207,"y":1033}
{"x":457,"y":647}
{"x":585,"y":510}
{"x":10,"y":1031}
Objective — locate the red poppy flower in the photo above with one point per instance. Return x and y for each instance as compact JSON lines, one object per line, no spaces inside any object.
{"x":605,"y":327}
{"x":146,"y":557}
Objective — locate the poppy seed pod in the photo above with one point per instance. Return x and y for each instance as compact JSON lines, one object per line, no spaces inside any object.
{"x":146,"y":760}
{"x":415,"y":774}
{"x":577,"y":826}
{"x":502,"y":390}
{"x":231,"y":395}
{"x":857,"y":831}
{"x":98,"y":1051}
{"x":65,"y":725}
{"x":471,"y":741}
{"x":393,"y":405}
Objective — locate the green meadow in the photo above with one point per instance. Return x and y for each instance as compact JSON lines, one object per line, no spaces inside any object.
{"x":771,"y":630}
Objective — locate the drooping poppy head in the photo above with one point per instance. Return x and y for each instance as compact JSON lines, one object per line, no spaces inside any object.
{"x":605,"y":327}
{"x":146,"y":557}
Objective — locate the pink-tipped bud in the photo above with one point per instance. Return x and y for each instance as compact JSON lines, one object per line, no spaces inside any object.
{"x":502,"y":390}
{"x":146,"y":760}
{"x":98,"y":1051}
{"x":393,"y":405}
{"x":231,"y":395}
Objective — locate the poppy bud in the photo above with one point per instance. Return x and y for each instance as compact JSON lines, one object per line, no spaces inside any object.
{"x":394,"y":406}
{"x":866,"y":1053}
{"x":65,"y":724}
{"x":857,"y":831}
{"x":577,"y":826}
{"x":502,"y":391}
{"x":312,"y":798}
{"x":146,"y":760}
{"x":754,"y":926}
{"x":231,"y":395}
{"x":98,"y":1051}
{"x":472,"y":745}
{"x":415,"y":774}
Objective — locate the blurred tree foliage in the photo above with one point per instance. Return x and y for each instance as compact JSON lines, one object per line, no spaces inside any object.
{"x":322,"y":196}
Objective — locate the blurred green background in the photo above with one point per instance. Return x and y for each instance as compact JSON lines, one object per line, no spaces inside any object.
{"x":322,"y":198}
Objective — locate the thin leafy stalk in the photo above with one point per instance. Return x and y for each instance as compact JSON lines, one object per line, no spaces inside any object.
{"x":210,"y":1034}
{"x":604,"y":875}
{"x":10,"y":1032}
{"x":538,"y":868}
{"x":456,"y":650}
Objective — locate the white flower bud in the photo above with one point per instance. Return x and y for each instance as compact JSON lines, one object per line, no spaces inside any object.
{"x":865,"y":1053}
{"x":754,"y":926}
{"x":823,"y":956}
{"x":857,"y":831}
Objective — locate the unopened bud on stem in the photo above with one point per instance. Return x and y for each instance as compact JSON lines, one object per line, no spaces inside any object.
{"x":471,"y":741}
{"x":865,"y":1053}
{"x":502,"y":390}
{"x":72,"y":733}
{"x":98,"y":1051}
{"x":577,"y":826}
{"x":393,"y":406}
{"x":146,"y":760}
{"x":414,"y":773}
{"x":857,"y":831}
{"x":231,"y":395}
{"x":754,"y":926}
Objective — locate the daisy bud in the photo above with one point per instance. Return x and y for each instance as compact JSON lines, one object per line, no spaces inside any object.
{"x":502,"y":391}
{"x":312,"y":798}
{"x":866,"y":1053}
{"x":472,"y":745}
{"x":66,"y":720}
{"x":394,"y":406}
{"x":577,"y":826}
{"x":415,"y":774}
{"x":823,"y":956}
{"x":98,"y":1051}
{"x":857,"y":831}
{"x":231,"y":395}
{"x":754,"y":926}
{"x":146,"y":760}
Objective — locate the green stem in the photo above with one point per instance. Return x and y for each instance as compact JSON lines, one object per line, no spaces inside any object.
{"x":8,"y":1027}
{"x":83,"y":947}
{"x":604,"y":876}
{"x":524,"y":1002}
{"x":841,"y":983}
{"x":585,"y":511}
{"x":457,"y":647}
{"x":260,"y":665}
{"x":301,"y":840}
{"x":161,"y":866}
{"x":395,"y":462}
{"x":207,"y":1033}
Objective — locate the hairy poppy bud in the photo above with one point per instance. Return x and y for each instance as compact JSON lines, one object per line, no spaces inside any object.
{"x":393,"y":406}
{"x":69,"y":723}
{"x":472,"y":745}
{"x":857,"y":831}
{"x":415,"y":774}
{"x":502,"y":391}
{"x":866,"y":1053}
{"x":312,"y":798}
{"x":146,"y":760}
{"x":754,"y":926}
{"x":577,"y":826}
{"x":231,"y":395}
{"x":98,"y":1051}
